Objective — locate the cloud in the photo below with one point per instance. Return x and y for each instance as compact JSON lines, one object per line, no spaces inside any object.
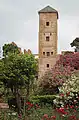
{"x":67,"y":31}
{"x":19,"y":22}
{"x":29,"y":38}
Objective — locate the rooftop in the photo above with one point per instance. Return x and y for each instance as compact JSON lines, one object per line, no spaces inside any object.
{"x":48,"y":9}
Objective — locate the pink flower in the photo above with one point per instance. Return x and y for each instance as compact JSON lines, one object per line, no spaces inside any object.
{"x":28,"y":103}
{"x":53,"y":117}
{"x":71,"y":106}
{"x":62,"y":95}
{"x":37,"y":106}
{"x":19,"y":116}
{"x":68,"y":93}
{"x":45,"y":116}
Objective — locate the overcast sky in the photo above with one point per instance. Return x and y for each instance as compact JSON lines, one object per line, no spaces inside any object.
{"x":19,"y":22}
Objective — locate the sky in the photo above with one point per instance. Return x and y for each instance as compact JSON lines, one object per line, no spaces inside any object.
{"x":19,"y":22}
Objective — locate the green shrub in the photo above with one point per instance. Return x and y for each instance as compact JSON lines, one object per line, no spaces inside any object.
{"x":37,"y":114}
{"x":43,"y":99}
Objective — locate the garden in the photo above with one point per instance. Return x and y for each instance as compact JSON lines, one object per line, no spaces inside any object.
{"x":55,"y":96}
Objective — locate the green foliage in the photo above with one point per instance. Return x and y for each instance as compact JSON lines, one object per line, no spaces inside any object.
{"x":18,"y":72}
{"x":68,"y":52}
{"x":8,"y":115}
{"x":76,"y":44}
{"x":37,"y":114}
{"x":52,"y":79}
{"x":72,"y":84}
{"x":69,"y":91}
{"x":1,"y":88}
{"x":10,"y":48}
{"x":60,"y":73}
{"x":43,"y":99}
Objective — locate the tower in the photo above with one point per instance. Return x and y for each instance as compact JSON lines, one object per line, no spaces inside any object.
{"x":47,"y":39}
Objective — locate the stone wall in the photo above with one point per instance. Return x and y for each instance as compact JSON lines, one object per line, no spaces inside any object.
{"x":47,"y":46}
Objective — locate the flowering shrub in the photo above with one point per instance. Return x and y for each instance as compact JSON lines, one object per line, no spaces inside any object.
{"x":54,"y":78}
{"x":69,"y":90}
{"x":72,"y":84}
{"x":38,"y":112}
{"x":59,"y":73}
{"x":47,"y":113}
{"x":46,"y":117}
{"x":68,"y":113}
{"x":67,"y":102}
{"x":71,"y":60}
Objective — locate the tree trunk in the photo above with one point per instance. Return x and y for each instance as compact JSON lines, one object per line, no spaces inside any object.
{"x":28,"y":90}
{"x":18,"y":101}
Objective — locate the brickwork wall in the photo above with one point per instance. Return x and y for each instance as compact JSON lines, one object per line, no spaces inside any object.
{"x":47,"y":46}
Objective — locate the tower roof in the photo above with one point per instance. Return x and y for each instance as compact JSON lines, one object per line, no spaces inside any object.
{"x":48,"y":9}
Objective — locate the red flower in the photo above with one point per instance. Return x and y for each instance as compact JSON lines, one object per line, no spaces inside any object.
{"x":71,"y":106}
{"x":28,"y":108}
{"x":53,"y":117}
{"x":62,"y":111}
{"x":45,"y":116}
{"x":19,"y":116}
{"x":31,"y":105}
{"x":28,"y":103}
{"x":68,"y":93}
{"x":73,"y":117}
{"x":62,"y":95}
{"x":74,"y":110}
{"x":76,"y":106}
{"x":37,"y":106}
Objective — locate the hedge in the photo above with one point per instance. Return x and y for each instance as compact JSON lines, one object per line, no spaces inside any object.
{"x":43,"y":99}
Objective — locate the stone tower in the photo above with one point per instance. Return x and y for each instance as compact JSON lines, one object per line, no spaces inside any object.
{"x":47,"y":39}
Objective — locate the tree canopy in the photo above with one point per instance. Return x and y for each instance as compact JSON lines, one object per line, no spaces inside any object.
{"x":10,"y":48}
{"x":59,"y":73}
{"x":75,"y":44}
{"x":71,"y":60}
{"x":18,"y":72}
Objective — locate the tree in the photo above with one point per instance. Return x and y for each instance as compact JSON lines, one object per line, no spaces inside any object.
{"x":10,"y":48}
{"x":75,"y":44}
{"x":59,"y":73}
{"x":54,"y":78}
{"x":71,"y":60}
{"x":17,"y":73}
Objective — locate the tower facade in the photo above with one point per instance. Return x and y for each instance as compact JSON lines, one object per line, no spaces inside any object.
{"x":47,"y":39}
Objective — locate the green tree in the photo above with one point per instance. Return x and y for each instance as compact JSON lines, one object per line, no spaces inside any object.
{"x":18,"y":73}
{"x":2,"y":92}
{"x":10,"y":48}
{"x":75,"y":44}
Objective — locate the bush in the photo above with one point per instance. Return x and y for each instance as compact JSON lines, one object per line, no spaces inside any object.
{"x":71,"y":60}
{"x":72,"y":84}
{"x":69,"y":90}
{"x":54,"y":78}
{"x":43,"y":99}
{"x":38,"y":112}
